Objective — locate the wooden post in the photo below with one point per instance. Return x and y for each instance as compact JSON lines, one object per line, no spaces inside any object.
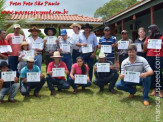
{"x":152,"y":15}
{"x":123,"y":27}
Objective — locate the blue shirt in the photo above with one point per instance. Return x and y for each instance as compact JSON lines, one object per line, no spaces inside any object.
{"x":111,"y":40}
{"x":92,"y":39}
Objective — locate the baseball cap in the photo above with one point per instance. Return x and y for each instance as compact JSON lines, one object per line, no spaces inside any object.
{"x":63,"y":32}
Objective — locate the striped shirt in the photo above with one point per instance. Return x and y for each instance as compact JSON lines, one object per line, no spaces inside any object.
{"x":140,"y":65}
{"x":68,"y":41}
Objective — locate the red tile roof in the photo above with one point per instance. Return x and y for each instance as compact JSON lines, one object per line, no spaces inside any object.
{"x":54,"y":17}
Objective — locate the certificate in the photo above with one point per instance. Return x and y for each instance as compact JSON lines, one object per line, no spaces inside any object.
{"x":133,"y":77}
{"x":103,"y":67}
{"x":36,"y":45}
{"x":29,"y":53}
{"x":87,"y":49}
{"x":33,"y":76}
{"x":139,"y":47}
{"x":106,"y":48}
{"x":17,"y":39}
{"x":58,"y":72}
{"x":65,"y":48}
{"x":80,"y":79}
{"x":5,"y":48}
{"x":123,"y":44}
{"x":8,"y":76}
{"x":51,"y":40}
{"x":154,"y":43}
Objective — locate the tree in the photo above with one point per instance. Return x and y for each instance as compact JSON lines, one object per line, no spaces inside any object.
{"x":113,"y":7}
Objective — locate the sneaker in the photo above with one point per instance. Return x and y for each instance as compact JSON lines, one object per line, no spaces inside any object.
{"x":146,"y":103}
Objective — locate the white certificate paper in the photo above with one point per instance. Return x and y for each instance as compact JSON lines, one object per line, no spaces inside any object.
{"x":123,"y":44}
{"x":103,"y":67}
{"x":80,"y":79}
{"x":17,"y":39}
{"x":33,"y":76}
{"x":36,"y":45}
{"x":58,"y":72}
{"x":65,"y":48}
{"x":139,"y":47}
{"x":106,"y":48}
{"x":51,"y":40}
{"x":87,"y":49}
{"x":5,"y":48}
{"x":133,"y":77}
{"x":29,"y":53}
{"x":154,"y":43}
{"x":8,"y":76}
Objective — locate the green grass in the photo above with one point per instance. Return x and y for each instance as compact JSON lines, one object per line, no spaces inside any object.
{"x":85,"y":106}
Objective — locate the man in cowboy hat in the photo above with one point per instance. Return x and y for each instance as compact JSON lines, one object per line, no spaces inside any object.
{"x":8,"y":88}
{"x":75,"y":39}
{"x":103,"y":78}
{"x":88,"y":40}
{"x":15,"y":45}
{"x":27,"y":86}
{"x":36,"y":39}
{"x":59,"y":81}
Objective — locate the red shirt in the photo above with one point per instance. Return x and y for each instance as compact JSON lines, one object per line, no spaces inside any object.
{"x":77,"y":69}
{"x":4,"y":43}
{"x":154,"y":52}
{"x":61,"y":65}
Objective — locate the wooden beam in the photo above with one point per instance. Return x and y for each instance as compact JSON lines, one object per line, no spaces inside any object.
{"x":152,"y":15}
{"x":123,"y":26}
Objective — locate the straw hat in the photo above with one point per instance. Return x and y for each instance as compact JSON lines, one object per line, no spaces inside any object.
{"x":34,"y":28}
{"x":30,"y":59}
{"x":75,"y":24}
{"x":24,"y":43}
{"x":56,"y":54}
{"x":102,"y":55}
{"x":16,"y":26}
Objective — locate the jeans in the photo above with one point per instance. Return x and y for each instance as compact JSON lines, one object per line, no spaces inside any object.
{"x":67,"y":59}
{"x":38,"y":59}
{"x":128,"y":86}
{"x":11,"y":91}
{"x":26,"y":87}
{"x":75,"y":54}
{"x":102,"y":81}
{"x":13,"y":63}
{"x":121,"y":58}
{"x":74,"y":86}
{"x":61,"y":84}
{"x":90,"y":62}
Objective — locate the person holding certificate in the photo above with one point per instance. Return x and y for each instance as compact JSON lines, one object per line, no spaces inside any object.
{"x":79,"y":68}
{"x":3,"y":42}
{"x":56,"y":73}
{"x":37,"y":44}
{"x":107,"y":73}
{"x":9,"y":87}
{"x":155,"y":58}
{"x":50,"y":43}
{"x":75,"y":39}
{"x":135,"y":70}
{"x":88,"y":47}
{"x":31,"y":77}
{"x":15,"y":39}
{"x":108,"y":40}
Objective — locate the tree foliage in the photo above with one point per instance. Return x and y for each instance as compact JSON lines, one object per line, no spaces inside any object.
{"x":113,"y":7}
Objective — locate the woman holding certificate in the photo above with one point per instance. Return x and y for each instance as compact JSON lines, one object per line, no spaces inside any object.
{"x":79,"y":75}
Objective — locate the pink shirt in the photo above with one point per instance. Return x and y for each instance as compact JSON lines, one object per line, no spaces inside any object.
{"x":77,"y":69}
{"x":15,"y":47}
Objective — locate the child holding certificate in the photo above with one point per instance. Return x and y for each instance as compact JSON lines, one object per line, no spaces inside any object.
{"x":79,"y":68}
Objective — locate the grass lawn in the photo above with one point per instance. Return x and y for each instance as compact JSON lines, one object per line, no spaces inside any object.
{"x":85,"y":106}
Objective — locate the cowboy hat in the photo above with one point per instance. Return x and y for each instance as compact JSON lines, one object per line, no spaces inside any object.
{"x":16,"y":26}
{"x":75,"y":24}
{"x":87,"y":26}
{"x":101,"y":55}
{"x":3,"y":64}
{"x":30,"y":59}
{"x":34,"y":28}
{"x":50,"y":28}
{"x":23,"y":43}
{"x":56,"y":54}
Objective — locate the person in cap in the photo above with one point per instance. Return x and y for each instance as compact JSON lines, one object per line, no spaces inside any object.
{"x":123,"y":52}
{"x":139,"y":64}
{"x":88,"y":39}
{"x":75,"y":39}
{"x":108,"y":39}
{"x":103,"y":78}
{"x":27,"y":86}
{"x":66,"y":54}
{"x":15,"y":39}
{"x":8,"y":88}
{"x":60,"y":81}
{"x":3,"y":42}
{"x":50,"y":47}
{"x":36,"y":39}
{"x":155,"y":60}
